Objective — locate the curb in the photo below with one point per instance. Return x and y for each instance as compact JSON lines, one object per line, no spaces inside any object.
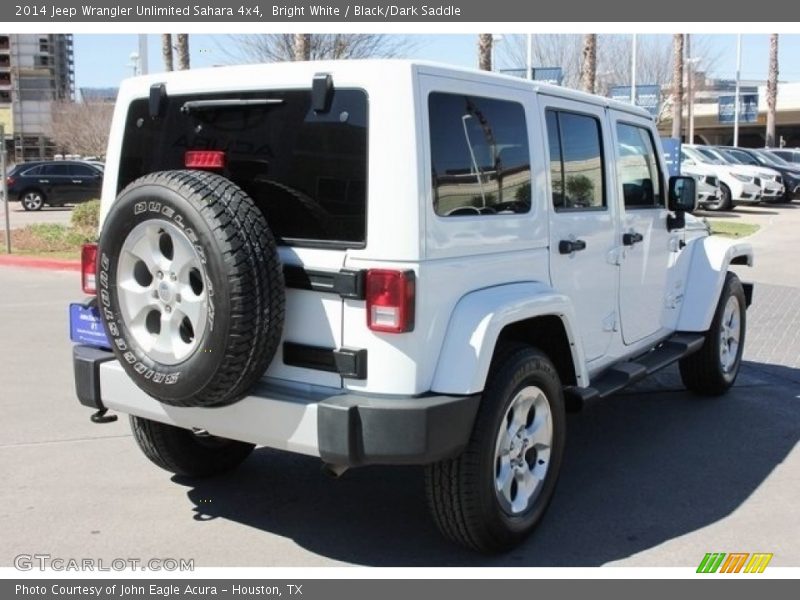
{"x":35,"y":262}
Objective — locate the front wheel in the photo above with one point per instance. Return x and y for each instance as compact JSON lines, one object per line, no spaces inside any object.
{"x":184,"y":452}
{"x":712,"y":370}
{"x":32,"y":200}
{"x":493,"y":495}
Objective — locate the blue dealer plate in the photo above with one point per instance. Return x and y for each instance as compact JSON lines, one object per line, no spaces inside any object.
{"x":85,"y":326}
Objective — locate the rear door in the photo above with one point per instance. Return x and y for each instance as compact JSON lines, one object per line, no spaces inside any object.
{"x":55,"y":180}
{"x":647,"y":246}
{"x":583,"y":226}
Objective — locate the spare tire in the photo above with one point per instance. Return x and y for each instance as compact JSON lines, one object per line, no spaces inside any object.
{"x":190,"y":287}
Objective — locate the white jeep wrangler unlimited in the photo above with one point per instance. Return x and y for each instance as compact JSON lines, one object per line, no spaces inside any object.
{"x":392,"y":262}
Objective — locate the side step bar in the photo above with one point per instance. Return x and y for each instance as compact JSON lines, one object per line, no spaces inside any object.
{"x":627,"y":373}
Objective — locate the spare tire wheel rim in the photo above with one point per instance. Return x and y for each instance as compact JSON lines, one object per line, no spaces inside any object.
{"x":161,"y":282}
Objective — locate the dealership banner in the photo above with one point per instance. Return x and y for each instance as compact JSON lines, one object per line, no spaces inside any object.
{"x":748,"y":108}
{"x":648,"y":97}
{"x":332,"y":11}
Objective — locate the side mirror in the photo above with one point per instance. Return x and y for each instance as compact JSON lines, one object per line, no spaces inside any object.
{"x":682,"y":194}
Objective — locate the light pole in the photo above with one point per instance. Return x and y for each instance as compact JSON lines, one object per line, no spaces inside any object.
{"x":134,"y":64}
{"x":736,"y":97}
{"x":633,"y":70}
{"x":529,"y":61}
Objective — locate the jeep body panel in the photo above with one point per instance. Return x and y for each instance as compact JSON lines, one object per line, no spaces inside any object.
{"x":475,"y":326}
{"x":710,"y":259}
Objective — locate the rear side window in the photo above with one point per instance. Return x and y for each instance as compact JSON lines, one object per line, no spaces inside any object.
{"x":576,"y":161}
{"x":306,"y":170}
{"x":56,"y":170}
{"x":480,"y":160}
{"x":638,"y":168}
{"x":83,"y":171}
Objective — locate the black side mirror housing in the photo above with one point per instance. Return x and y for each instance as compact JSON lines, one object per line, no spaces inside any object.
{"x":682,"y":194}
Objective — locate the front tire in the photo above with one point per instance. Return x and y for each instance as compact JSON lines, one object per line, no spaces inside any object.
{"x":32,"y":200}
{"x":712,"y":370}
{"x":186,"y":453}
{"x":495,"y":493}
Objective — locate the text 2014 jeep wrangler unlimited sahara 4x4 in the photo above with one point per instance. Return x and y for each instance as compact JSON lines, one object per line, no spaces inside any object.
{"x":388,"y":262}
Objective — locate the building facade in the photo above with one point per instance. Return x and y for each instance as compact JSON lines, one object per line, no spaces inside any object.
{"x":36,"y":72}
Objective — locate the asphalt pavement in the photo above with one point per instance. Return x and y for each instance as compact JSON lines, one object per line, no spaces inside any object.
{"x":652,"y":477}
{"x":18,"y":217}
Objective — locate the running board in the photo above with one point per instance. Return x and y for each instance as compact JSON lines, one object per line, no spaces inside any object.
{"x":627,"y":373}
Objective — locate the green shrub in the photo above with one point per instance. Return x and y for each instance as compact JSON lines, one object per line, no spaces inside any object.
{"x":86,"y":215}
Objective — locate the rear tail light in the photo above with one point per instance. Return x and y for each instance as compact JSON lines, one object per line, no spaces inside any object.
{"x":204,"y":159}
{"x":89,"y":268}
{"x":390,"y":300}
{"x":10,"y":181}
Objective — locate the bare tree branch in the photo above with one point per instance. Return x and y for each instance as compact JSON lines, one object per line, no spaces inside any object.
{"x":276,"y":47}
{"x":81,"y":128}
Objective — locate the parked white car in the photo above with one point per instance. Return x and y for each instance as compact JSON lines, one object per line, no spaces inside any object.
{"x":392,"y":262}
{"x":709,"y":194}
{"x":772,"y":187}
{"x":737,"y":185}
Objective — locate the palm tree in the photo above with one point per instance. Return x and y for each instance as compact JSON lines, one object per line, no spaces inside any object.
{"x":772,"y":89}
{"x":485,"y":51}
{"x":182,"y":49}
{"x":589,"y":64}
{"x":677,"y":85}
{"x":302,"y":46}
{"x":166,"y":51}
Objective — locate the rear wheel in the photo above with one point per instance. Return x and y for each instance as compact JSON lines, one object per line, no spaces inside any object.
{"x":187,"y":453}
{"x":712,"y":370}
{"x":32,"y":200}
{"x":493,"y":495}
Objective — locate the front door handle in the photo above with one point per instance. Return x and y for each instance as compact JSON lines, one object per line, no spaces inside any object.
{"x":629,"y":239}
{"x":77,"y":181}
{"x":570,"y":246}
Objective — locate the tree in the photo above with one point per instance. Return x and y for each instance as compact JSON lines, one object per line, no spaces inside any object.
{"x":280,"y":47}
{"x":485,"y":51}
{"x":166,"y":51}
{"x":302,"y":46}
{"x":81,"y":127}
{"x":182,"y":50}
{"x":772,"y":89}
{"x":589,"y":63}
{"x":677,"y":85}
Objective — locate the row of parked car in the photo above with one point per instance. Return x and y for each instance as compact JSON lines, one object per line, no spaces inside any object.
{"x":54,"y":183}
{"x":728,"y":176}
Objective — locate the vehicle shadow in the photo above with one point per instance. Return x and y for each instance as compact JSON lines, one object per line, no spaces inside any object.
{"x":640,"y":469}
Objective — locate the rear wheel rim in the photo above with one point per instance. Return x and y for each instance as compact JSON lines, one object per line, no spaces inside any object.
{"x":32,"y":201}
{"x":522,"y":451}
{"x":163,"y":295}
{"x":730,"y":334}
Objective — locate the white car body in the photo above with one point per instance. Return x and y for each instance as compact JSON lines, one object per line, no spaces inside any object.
{"x":739,"y":181}
{"x":708,"y":190}
{"x":771,"y":180}
{"x":476,"y":275}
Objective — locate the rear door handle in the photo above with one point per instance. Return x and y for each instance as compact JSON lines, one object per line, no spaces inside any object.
{"x":77,"y":181}
{"x":629,"y":239}
{"x":570,"y":246}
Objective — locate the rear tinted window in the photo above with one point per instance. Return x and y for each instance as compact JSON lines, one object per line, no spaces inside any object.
{"x":307,"y":171}
{"x":480,"y":162}
{"x":57,"y":170}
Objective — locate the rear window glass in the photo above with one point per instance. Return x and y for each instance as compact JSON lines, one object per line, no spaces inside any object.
{"x":306,"y":170}
{"x":480,"y":161}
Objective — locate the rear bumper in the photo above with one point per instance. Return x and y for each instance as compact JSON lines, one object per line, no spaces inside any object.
{"x":342,"y":429}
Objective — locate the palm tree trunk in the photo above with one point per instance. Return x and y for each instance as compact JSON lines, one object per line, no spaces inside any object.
{"x":166,"y":51}
{"x":302,"y":46}
{"x":182,"y":48}
{"x":589,"y":64}
{"x":485,"y":51}
{"x":677,"y":85}
{"x":772,"y":89}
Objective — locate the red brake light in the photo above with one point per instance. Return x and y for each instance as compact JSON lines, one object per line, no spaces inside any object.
{"x":89,"y":268}
{"x":204,"y":159}
{"x":390,"y":300}
{"x":10,"y":181}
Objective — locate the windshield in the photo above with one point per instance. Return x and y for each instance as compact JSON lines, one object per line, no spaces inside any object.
{"x":706,"y":156}
{"x":772,"y":159}
{"x":733,"y":157}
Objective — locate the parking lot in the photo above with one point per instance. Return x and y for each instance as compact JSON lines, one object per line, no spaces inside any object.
{"x":652,"y":477}
{"x":18,"y":217}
